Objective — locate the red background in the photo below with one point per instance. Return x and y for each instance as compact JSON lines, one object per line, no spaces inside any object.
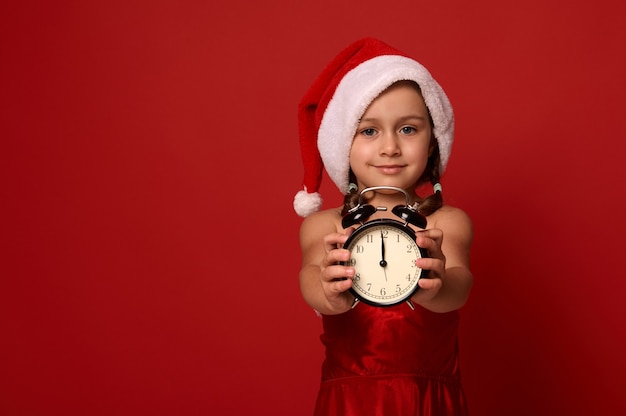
{"x":149,"y":160}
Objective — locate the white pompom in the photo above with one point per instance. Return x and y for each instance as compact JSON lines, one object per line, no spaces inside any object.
{"x":305,"y":203}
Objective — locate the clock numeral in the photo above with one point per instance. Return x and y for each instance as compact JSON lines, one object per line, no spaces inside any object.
{"x":398,"y":288}
{"x":369,"y":287}
{"x":360,"y":248}
{"x":383,"y":292}
{"x":352,"y":262}
{"x":409,"y":248}
{"x":357,"y":277}
{"x":369,"y":238}
{"x":384,"y":233}
{"x":408,"y":277}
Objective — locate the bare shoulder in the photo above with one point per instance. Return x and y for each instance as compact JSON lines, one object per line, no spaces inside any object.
{"x":320,"y":223}
{"x":452,"y":220}
{"x":458,"y":234}
{"x":450,"y":213}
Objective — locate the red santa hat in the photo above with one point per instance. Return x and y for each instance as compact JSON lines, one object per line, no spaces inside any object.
{"x":329,"y":112}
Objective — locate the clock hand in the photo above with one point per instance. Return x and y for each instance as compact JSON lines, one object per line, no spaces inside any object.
{"x":382,"y":263}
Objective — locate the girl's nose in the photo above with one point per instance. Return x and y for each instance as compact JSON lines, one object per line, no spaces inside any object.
{"x":389,"y":145}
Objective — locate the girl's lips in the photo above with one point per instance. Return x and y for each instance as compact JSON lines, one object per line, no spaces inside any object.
{"x":390,"y":169}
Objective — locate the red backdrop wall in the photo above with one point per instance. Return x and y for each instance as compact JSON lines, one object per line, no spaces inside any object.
{"x":149,"y":159}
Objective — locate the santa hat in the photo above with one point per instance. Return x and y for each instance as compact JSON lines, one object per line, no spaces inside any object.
{"x":329,"y":112}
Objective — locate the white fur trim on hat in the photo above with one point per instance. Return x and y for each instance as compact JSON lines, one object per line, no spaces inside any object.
{"x":305,"y":203}
{"x":356,"y":91}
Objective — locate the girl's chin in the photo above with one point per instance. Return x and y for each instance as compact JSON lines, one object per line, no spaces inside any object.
{"x":391,"y":183}
{"x":409,"y":189}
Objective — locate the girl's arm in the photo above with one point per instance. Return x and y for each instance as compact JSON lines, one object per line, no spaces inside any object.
{"x":450,"y":279}
{"x":323,"y":282}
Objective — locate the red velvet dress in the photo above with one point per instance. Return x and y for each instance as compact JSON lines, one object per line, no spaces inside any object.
{"x":391,"y":361}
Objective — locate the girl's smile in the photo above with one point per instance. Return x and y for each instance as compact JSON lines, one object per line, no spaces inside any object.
{"x":390,"y":169}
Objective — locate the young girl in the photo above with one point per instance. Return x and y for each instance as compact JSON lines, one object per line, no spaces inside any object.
{"x":375,"y":117}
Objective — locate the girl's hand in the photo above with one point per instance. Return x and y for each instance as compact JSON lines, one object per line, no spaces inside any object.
{"x":436,"y":264}
{"x":335,"y":278}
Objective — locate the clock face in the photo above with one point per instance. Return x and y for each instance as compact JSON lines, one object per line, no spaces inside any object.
{"x":383,"y":253}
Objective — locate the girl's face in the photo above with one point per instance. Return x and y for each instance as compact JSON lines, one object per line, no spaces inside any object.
{"x":393,"y":139}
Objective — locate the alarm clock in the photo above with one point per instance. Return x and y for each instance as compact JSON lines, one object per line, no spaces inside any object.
{"x":383,"y":252}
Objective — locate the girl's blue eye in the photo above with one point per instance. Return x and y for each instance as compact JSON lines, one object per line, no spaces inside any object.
{"x":407,"y":130}
{"x":368,"y":132}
